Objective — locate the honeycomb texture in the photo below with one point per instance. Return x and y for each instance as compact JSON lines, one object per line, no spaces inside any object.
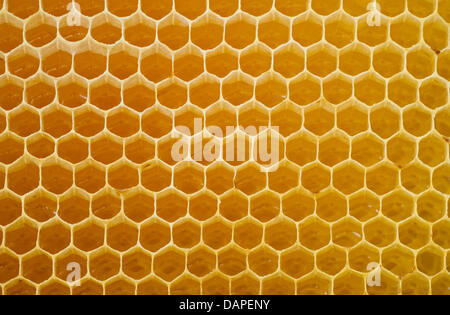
{"x":89,"y":114}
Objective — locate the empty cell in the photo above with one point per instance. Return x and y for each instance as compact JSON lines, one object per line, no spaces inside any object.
{"x":90,"y":177}
{"x":348,"y":178}
{"x":240,"y":31}
{"x":201,"y":261}
{"x":186,"y":233}
{"x":23,"y":176}
{"x":122,"y":8}
{"x":173,"y":31}
{"x":298,"y":204}
{"x":435,"y":32}
{"x":415,"y":284}
{"x":12,"y":28}
{"x":172,"y":93}
{"x":121,"y":235}
{"x":402,"y":90}
{"x":40,"y":30}
{"x":263,"y":261}
{"x":74,"y":207}
{"x":314,"y":284}
{"x":414,"y":233}
{"x":91,"y":62}
{"x":364,"y":205}
{"x":265,"y":206}
{"x":385,"y":120}
{"x":139,"y":31}
{"x":431,"y":206}
{"x":354,"y":59}
{"x":380,"y":232}
{"x":307,"y":29}
{"x":224,"y":8}
{"x":122,"y":122}
{"x":255,"y":60}
{"x":104,"y":264}
{"x":334,"y":149}
{"x":21,"y":237}
{"x":123,"y":62}
{"x":401,"y":149}
{"x":382,"y":178}
{"x":123,"y":176}
{"x":370,"y":34}
{"x":316,"y":178}
{"x":219,"y":178}
{"x":106,"y":204}
{"x":271,"y":89}
{"x":434,"y":93}
{"x":370,"y":89}
{"x":340,"y":30}
{"x":106,"y":149}
{"x":248,"y":233}
{"x":297,"y":262}
{"x":105,"y":93}
{"x":54,"y":237}
{"x":417,"y":121}
{"x":280,"y":234}
{"x":440,"y":179}
{"x":139,"y":205}
{"x":337,"y":88}
{"x":12,"y":208}
{"x":137,"y":264}
{"x":154,"y":235}
{"x":106,"y":29}
{"x":416,"y":178}
{"x":305,"y":89}
{"x":432,"y":150}
{"x":41,"y":205}
{"x":23,"y":62}
{"x":203,"y":206}
{"x":188,"y":63}
{"x":398,"y":206}
{"x":353,"y":118}
{"x":74,"y":33}
{"x":392,"y":8}
{"x":72,"y":91}
{"x":171,"y":205}
{"x":278,"y":284}
{"x":11,"y":93}
{"x":37,"y":266}
{"x":430,"y":260}
{"x":232,"y":261}
{"x":321,"y":60}
{"x":274,"y":30}
{"x":441,"y":122}
{"x":207,"y":32}
{"x":233,"y":206}
{"x":217,"y":233}
{"x":314,"y":233}
{"x":12,"y":148}
{"x":349,"y":283}
{"x":156,"y":66}
{"x":362,"y":255}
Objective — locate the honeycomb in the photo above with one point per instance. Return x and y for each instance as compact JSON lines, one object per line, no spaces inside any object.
{"x":90,"y":112}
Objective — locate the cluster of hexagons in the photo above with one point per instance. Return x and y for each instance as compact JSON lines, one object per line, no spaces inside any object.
{"x":89,"y":114}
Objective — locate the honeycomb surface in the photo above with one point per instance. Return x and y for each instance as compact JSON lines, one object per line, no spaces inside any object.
{"x":89,"y":113}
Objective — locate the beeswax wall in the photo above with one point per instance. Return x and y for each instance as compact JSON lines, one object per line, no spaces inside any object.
{"x":92,"y":104}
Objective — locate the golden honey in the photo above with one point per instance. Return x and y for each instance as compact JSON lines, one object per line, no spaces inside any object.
{"x":90,"y":113}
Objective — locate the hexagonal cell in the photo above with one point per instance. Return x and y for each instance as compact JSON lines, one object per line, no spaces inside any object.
{"x":354,"y":59}
{"x":188,"y":177}
{"x":263,"y":260}
{"x":106,"y":149}
{"x":224,"y":8}
{"x":388,"y":60}
{"x":398,"y":260}
{"x":398,"y":206}
{"x":207,"y":32}
{"x":74,"y":207}
{"x":278,"y":284}
{"x":106,"y":29}
{"x":439,"y":284}
{"x":11,"y":90}
{"x":321,"y":60}
{"x":265,"y":206}
{"x":137,"y":264}
{"x":122,"y":235}
{"x":12,"y":208}
{"x":434,"y":93}
{"x":203,"y":206}
{"x":402,"y":90}
{"x":152,"y":286}
{"x":434,"y":29}
{"x":57,"y":121}
{"x":307,"y":29}
{"x":389,"y":285}
{"x":441,"y":122}
{"x":301,"y":148}
{"x":123,"y":176}
{"x":298,"y":204}
{"x":185,"y":285}
{"x":316,"y":178}
{"x":331,"y":260}
{"x":140,"y":31}
{"x":339,"y":30}
{"x":40,"y":30}
{"x":355,"y":7}
{"x":432,"y":150}
{"x":319,"y":118}
{"x":122,"y":8}
{"x":104,"y":264}
{"x":105,"y":93}
{"x":255,"y":60}
{"x":89,"y":287}
{"x":91,"y":62}
{"x":353,"y":118}
{"x":331,"y":206}
{"x":347,"y":233}
{"x":12,"y":148}
{"x":232,"y":260}
{"x":431,"y":206}
{"x":380,"y":232}
{"x":421,"y":62}
{"x":154,"y":235}
{"x":90,"y":176}
{"x":382,"y":178}
{"x":414,"y":233}
{"x":441,"y":234}
{"x":72,"y":91}
{"x":14,"y":29}
{"x":280,"y":234}
{"x":10,"y":266}
{"x":385,"y":120}
{"x":314,"y":233}
{"x":430,"y":260}
{"x":443,"y":64}
{"x":349,"y":283}
{"x":440,"y":179}
{"x":406,"y":31}
{"x":138,"y":94}
{"x":314,"y":284}
{"x":271,"y":89}
{"x":54,"y":237}
{"x":289,"y":60}
{"x":415,"y":284}
{"x":88,"y":122}
{"x":201,"y":261}
{"x":189,"y":120}
{"x":233,"y":205}
{"x":156,"y":64}
{"x":219,"y":178}
{"x":240,"y":31}
{"x":56,"y":176}
{"x":238,"y":88}
{"x":284,"y":178}
{"x":172,"y":93}
{"x":170,"y":205}
{"x":216,"y":284}
{"x":334,"y":149}
{"x":106,"y":204}
{"x":221,"y":61}
{"x":169,"y":264}
{"x":123,"y":62}
{"x":64,"y":259}
{"x":186,"y":234}
{"x":255,"y":7}
{"x":120,"y":286}
{"x":139,"y":205}
{"x":421,"y":9}
{"x":416,"y":178}
{"x":23,"y":176}
{"x":362,"y":255}
{"x":74,"y":33}
{"x":20,"y":286}
{"x":297,"y":262}
{"x":89,"y":236}
{"x":24,"y":121}
{"x":370,"y":89}
{"x":156,"y":176}
{"x":217,"y":233}
{"x":173,"y":31}
{"x":392,"y":8}
{"x":273,"y":30}
{"x":417,"y":121}
{"x":337,"y":88}
{"x":204,"y":91}
{"x":188,"y":63}
{"x":370,"y":34}
{"x":40,"y":205}
{"x":73,"y":149}
{"x":167,"y":145}
{"x":23,"y":62}
{"x":248,"y":233}
{"x":37,"y":266}
{"x":304,"y":90}
{"x":253,"y":117}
